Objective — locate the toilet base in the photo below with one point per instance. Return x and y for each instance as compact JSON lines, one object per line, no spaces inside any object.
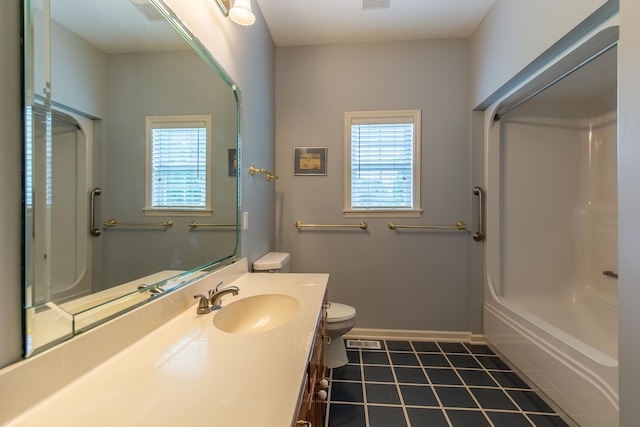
{"x":336,"y":353}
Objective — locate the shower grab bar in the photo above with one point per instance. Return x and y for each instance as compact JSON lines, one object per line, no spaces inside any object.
{"x":610,"y":273}
{"x":113,"y":223}
{"x":479,"y":236}
{"x":95,"y":231}
{"x":196,"y":224}
{"x":363,"y":225}
{"x":459,"y":226}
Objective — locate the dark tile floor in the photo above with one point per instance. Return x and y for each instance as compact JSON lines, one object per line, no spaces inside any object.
{"x":417,"y":383}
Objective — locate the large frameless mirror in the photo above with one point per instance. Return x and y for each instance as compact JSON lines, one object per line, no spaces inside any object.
{"x":130,"y":154}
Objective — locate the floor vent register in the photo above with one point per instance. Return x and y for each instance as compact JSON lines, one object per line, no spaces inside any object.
{"x":365,"y":344}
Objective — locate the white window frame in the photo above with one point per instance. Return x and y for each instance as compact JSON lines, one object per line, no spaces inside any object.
{"x":377,"y":117}
{"x":152,"y":122}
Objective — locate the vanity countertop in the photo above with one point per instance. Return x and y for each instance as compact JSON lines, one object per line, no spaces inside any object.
{"x":189,"y":373}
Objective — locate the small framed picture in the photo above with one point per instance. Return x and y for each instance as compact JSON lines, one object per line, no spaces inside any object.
{"x":310,"y":161}
{"x":233,"y":162}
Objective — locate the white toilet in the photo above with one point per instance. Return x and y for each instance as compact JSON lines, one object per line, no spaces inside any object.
{"x":341,"y":318}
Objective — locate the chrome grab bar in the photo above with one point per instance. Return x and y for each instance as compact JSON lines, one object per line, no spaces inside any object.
{"x":479,"y":236}
{"x":113,"y":223}
{"x":95,"y":231}
{"x":459,"y":226}
{"x":196,"y":224}
{"x":363,"y":225}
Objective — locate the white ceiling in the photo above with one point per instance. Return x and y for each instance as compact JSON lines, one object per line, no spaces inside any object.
{"x":308,"y":22}
{"x":115,"y":26}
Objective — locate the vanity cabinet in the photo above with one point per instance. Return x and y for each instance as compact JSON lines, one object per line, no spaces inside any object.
{"x":313,"y":402}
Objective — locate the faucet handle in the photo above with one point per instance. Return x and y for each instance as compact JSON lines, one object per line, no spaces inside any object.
{"x":217,"y":288}
{"x":203,"y":305}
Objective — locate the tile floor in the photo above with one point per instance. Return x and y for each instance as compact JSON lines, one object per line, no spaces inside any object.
{"x":417,"y":383}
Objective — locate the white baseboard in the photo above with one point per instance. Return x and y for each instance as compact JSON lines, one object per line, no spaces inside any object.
{"x":416,"y":335}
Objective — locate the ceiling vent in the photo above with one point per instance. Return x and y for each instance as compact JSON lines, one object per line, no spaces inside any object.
{"x":375,"y":4}
{"x":148,"y":10}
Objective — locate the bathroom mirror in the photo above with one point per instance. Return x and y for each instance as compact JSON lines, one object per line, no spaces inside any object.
{"x":130,"y":154}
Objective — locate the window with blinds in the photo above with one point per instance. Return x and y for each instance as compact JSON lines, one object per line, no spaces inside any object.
{"x":382,"y":162}
{"x":177,"y":163}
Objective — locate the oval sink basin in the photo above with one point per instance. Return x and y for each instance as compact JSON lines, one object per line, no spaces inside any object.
{"x":255,"y":314}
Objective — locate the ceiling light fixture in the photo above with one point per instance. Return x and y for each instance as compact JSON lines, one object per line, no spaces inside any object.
{"x":240,"y":13}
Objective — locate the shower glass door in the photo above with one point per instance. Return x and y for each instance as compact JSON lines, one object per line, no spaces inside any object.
{"x":56,"y":162}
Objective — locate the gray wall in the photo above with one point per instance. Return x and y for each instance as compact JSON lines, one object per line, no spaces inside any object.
{"x":512,"y":36}
{"x":412,"y":280}
{"x":10,"y":194}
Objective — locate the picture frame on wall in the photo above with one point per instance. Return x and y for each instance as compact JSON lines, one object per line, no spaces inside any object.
{"x":310,"y":161}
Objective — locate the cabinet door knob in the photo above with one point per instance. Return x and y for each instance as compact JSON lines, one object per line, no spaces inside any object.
{"x":304,"y":423}
{"x":324,"y":384}
{"x":322,"y":395}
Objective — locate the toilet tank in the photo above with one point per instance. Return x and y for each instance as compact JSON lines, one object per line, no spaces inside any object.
{"x":272,"y":262}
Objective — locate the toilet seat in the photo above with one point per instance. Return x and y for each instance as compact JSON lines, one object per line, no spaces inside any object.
{"x":340,"y":312}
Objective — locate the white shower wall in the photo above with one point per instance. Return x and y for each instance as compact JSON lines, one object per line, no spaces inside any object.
{"x":559,"y":192}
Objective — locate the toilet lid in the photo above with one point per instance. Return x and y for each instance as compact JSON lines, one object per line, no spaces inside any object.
{"x":339,"y":312}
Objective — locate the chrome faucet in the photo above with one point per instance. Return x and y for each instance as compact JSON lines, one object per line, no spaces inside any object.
{"x":214,"y":297}
{"x":154,"y":289}
{"x":212,"y":302}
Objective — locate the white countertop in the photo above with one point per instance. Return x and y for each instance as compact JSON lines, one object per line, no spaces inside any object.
{"x":189,"y":373}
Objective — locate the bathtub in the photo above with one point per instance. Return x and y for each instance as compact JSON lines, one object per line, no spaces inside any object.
{"x":579,"y":378}
{"x":551,"y":182}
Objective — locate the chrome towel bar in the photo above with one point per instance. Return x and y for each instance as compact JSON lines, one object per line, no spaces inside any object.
{"x":113,"y":223}
{"x":459,"y":226}
{"x":363,"y":225}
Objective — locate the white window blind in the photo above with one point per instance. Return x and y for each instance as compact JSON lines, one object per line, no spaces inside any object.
{"x":383,"y":171}
{"x":178,"y":164}
{"x":382,"y":166}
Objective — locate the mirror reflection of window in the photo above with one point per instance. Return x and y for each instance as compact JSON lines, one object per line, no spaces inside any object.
{"x":178,"y":155}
